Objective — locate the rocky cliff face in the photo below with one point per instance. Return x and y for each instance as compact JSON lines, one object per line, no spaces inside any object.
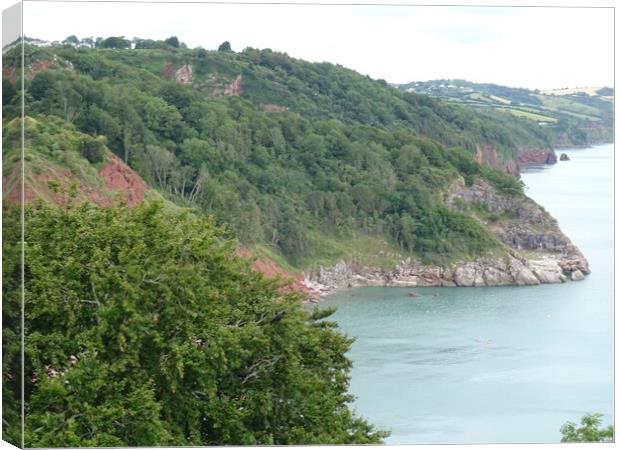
{"x":487,"y":154}
{"x":182,"y":75}
{"x":235,"y":88}
{"x":535,"y":251}
{"x":532,"y":156}
{"x":115,"y":181}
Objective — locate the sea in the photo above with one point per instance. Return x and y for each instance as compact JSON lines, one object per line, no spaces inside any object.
{"x":495,"y":364}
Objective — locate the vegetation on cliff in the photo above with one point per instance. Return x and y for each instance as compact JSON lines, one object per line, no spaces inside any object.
{"x":345,"y":159}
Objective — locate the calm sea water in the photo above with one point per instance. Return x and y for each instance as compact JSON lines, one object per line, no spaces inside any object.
{"x":495,"y":365}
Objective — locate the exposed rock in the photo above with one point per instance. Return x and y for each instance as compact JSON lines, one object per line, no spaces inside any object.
{"x":577,"y":275}
{"x":523,"y":276}
{"x":235,"y":88}
{"x":184,"y":74}
{"x":290,"y":281}
{"x":526,"y":237}
{"x":42,"y":64}
{"x":547,"y":270}
{"x":497,"y":276}
{"x":168,"y":72}
{"x":117,"y":181}
{"x":564,"y":157}
{"x":487,"y":154}
{"x":12,"y":73}
{"x":467,"y":275}
{"x":481,"y":193}
{"x":119,"y":178}
{"x":533,"y":156}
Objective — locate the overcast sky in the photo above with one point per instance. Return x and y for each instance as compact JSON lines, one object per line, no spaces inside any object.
{"x":541,"y":48}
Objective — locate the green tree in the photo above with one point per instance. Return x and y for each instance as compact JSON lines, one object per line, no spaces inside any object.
{"x":224,"y":47}
{"x":115,"y":42}
{"x":172,"y":41}
{"x":92,"y":149}
{"x":144,"y":328}
{"x":71,"y":40}
{"x":589,"y":431}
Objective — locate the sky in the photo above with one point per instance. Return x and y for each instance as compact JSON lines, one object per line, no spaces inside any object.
{"x":536,"y":48}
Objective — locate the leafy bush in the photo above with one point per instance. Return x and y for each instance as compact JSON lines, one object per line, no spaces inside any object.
{"x":92,"y":149}
{"x":589,"y":430}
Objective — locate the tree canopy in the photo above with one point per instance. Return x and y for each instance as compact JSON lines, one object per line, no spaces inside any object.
{"x":589,"y":431}
{"x":224,"y":47}
{"x":144,"y":328}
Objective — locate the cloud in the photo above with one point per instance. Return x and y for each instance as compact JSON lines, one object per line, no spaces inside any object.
{"x":526,"y":47}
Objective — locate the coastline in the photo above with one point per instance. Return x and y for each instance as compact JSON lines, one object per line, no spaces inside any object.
{"x":510,"y":270}
{"x":533,"y":251}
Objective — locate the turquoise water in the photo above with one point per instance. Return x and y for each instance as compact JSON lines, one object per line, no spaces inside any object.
{"x":495,"y":365}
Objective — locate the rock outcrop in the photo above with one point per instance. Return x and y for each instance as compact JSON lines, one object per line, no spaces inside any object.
{"x":536,"y":156}
{"x":183,"y":75}
{"x":115,"y":182}
{"x":535,"y":251}
{"x":235,"y":88}
{"x":487,"y":154}
{"x":168,"y":72}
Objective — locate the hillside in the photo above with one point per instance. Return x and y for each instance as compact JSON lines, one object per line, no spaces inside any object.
{"x":274,"y":82}
{"x":62,"y":163}
{"x":308,"y":164}
{"x":574,"y":117}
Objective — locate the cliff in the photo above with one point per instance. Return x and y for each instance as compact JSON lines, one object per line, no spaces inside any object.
{"x":534,"y":250}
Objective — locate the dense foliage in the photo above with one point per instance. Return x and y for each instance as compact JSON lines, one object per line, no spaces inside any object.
{"x":342,"y":168}
{"x":144,"y":328}
{"x":589,"y":431}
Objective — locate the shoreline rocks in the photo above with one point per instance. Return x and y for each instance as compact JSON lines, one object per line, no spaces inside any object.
{"x":508,"y":271}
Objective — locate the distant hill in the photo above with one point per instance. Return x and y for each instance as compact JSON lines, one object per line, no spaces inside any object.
{"x":574,"y":116}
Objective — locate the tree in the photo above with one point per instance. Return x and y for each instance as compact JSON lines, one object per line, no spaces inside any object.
{"x":92,"y":149}
{"x":144,"y":328}
{"x":172,"y":41}
{"x":115,"y":42}
{"x":589,"y":431}
{"x":224,"y":47}
{"x":71,"y":40}
{"x":88,"y":42}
